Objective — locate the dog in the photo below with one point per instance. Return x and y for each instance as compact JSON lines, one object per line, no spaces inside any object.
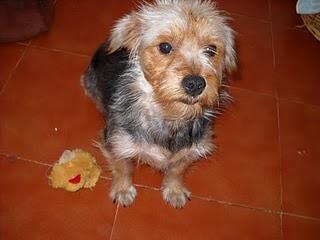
{"x":159,"y":81}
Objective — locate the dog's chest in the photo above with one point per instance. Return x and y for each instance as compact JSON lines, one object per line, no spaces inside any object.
{"x":170,"y":135}
{"x":142,"y":133}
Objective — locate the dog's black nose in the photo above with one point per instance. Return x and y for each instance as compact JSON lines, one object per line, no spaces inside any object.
{"x":193,"y":85}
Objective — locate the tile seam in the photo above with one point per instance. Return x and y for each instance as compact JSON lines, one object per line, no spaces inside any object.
{"x":114,"y":222}
{"x":209,"y":199}
{"x":6,"y":82}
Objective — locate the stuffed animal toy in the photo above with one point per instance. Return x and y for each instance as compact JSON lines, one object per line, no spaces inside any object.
{"x":74,"y":170}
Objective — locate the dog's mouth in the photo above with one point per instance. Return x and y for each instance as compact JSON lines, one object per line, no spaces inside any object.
{"x":190,"y":100}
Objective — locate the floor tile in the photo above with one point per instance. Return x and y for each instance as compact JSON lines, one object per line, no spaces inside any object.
{"x":147,"y":176}
{"x":31,"y":209}
{"x":252,"y":8}
{"x":9,"y":57}
{"x":297,"y":228}
{"x":81,"y":25}
{"x":255,"y":55}
{"x":151,"y":218}
{"x":44,"y":109}
{"x":297,"y":65}
{"x":299,"y":131}
{"x":283,"y":13}
{"x":245,"y":168}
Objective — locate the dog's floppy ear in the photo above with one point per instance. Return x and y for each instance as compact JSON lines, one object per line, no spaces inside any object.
{"x":230,"y":59}
{"x":125,"y":33}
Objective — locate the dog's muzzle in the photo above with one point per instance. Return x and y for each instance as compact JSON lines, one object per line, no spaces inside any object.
{"x":193,"y":85}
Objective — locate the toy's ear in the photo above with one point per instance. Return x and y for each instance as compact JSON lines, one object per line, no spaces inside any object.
{"x":230,"y":59}
{"x":125,"y":33}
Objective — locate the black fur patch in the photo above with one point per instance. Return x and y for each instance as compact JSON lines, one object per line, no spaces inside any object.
{"x":108,"y":69}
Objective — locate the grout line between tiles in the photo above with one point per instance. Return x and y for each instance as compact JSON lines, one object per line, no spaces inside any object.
{"x":273,"y":47}
{"x":252,"y":91}
{"x":14,"y":157}
{"x":226,"y":203}
{"x":301,"y":216}
{"x":58,"y":51}
{"x":237,"y":205}
{"x":209,"y":199}
{"x":299,"y":102}
{"x":275,"y":96}
{"x":278,"y":119}
{"x":148,"y":187}
{"x":106,"y":178}
{"x":247,"y":16}
{"x":270,"y":10}
{"x":280,"y":162}
{"x":114,"y":221}
{"x":26,"y":44}
{"x":281,"y":225}
{"x":13,"y":70}
{"x":269,"y":211}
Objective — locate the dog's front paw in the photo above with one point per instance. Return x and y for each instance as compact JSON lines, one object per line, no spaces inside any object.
{"x":177,"y":196}
{"x":123,"y":196}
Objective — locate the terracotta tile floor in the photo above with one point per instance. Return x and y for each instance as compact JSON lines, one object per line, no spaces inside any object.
{"x":263,"y":182}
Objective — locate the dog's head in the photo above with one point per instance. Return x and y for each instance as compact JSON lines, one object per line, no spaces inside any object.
{"x":184,"y":47}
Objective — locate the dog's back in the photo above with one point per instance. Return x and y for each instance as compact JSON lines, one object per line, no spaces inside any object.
{"x":103,"y":74}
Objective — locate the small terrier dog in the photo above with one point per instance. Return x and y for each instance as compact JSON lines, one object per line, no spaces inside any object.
{"x":159,"y":81}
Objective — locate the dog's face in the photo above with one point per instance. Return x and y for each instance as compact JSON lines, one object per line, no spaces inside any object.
{"x":183,"y":47}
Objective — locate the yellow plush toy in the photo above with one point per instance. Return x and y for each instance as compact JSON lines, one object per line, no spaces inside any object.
{"x":74,"y":170}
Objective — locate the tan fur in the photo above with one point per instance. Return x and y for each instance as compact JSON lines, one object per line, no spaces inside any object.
{"x":128,"y":35}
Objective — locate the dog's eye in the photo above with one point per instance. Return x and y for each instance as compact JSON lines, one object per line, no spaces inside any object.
{"x":210,"y":50}
{"x":165,"y":48}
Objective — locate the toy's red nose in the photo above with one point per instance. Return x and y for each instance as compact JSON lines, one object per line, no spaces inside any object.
{"x":75,"y":179}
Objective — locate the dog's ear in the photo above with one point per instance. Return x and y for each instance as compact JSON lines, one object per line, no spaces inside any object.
{"x":125,"y":33}
{"x":230,"y":59}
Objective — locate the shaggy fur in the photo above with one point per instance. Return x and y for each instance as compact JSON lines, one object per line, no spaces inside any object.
{"x":159,"y":82}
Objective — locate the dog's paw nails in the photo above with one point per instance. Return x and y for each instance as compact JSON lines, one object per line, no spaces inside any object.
{"x":125,"y":197}
{"x":176,"y":196}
